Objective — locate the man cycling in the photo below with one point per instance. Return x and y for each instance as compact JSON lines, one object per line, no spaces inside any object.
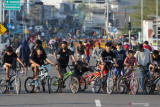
{"x":9,"y":61}
{"x":81,"y":52}
{"x":37,"y":59}
{"x":144,"y":58}
{"x":88,"y":51}
{"x":63,"y":61}
{"x":155,"y":67}
{"x":107,"y":56}
{"x":97,"y":51}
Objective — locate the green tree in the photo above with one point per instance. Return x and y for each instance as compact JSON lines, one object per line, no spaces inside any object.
{"x":149,"y":8}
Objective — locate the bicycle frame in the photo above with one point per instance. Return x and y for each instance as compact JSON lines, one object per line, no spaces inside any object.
{"x":97,"y":74}
{"x":67,"y":75}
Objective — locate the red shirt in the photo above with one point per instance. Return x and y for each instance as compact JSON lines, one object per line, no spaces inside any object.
{"x":130,"y":61}
{"x":147,"y":47}
{"x":126,"y":47}
{"x":88,"y":47}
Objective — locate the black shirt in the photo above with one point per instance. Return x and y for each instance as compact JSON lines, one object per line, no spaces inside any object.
{"x":39,"y":60}
{"x":9,"y":59}
{"x":157,"y":59}
{"x":81,"y":50}
{"x":64,"y":56}
{"x":107,"y":57}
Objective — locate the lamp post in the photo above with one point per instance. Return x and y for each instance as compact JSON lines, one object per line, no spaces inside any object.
{"x":157,"y":27}
{"x":142,"y":18}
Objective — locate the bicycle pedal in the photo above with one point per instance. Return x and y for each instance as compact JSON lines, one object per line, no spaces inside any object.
{"x":11,"y":88}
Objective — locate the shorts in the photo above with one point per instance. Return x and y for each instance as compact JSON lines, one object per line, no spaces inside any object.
{"x":88,"y":58}
{"x":62,"y":71}
{"x":62,"y":63}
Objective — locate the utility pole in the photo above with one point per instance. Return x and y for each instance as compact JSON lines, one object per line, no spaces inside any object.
{"x":157,"y":27}
{"x":142,"y":18}
{"x":107,"y":8}
{"x":129,"y":30}
{"x":0,"y":17}
{"x":1,"y":11}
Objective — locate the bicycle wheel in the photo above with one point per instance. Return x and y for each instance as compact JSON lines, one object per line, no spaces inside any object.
{"x":97,"y":85}
{"x":109,"y":85}
{"x":3,"y":86}
{"x":74,"y":84}
{"x":147,"y":86}
{"x":29,"y":85}
{"x":43,"y":84}
{"x":158,"y":87}
{"x":53,"y":84}
{"x":18,"y":85}
{"x":121,"y":85}
{"x":48,"y":84}
{"x":134,"y":86}
{"x":82,"y":85}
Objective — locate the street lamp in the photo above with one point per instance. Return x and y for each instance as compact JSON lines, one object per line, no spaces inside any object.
{"x":157,"y":27}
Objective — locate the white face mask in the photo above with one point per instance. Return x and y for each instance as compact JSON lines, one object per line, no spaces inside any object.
{"x":85,"y":44}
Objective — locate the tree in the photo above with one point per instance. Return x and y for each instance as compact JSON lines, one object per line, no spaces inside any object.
{"x":149,"y":8}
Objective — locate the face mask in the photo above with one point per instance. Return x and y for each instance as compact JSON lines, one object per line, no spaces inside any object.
{"x":85,"y":44}
{"x":65,"y":48}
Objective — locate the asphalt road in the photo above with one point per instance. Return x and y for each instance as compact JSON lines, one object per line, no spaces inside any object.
{"x":81,"y":99}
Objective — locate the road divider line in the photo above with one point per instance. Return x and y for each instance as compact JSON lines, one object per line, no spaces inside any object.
{"x":98,"y":103}
{"x":142,"y":104}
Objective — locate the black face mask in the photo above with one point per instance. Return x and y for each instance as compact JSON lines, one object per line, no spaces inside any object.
{"x":65,"y":48}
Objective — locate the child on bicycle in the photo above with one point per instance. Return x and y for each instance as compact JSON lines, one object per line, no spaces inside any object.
{"x":129,"y":62}
{"x":37,"y":59}
{"x":155,"y":67}
{"x":9,"y":62}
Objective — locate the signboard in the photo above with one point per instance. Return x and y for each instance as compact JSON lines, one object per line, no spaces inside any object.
{"x":114,"y":30}
{"x":12,"y":4}
{"x":9,"y":26}
{"x":2,"y":29}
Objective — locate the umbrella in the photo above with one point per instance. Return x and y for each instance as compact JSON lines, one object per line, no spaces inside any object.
{"x":23,"y":31}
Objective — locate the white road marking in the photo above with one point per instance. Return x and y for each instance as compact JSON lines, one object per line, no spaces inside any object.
{"x":98,"y":103}
{"x":143,"y":104}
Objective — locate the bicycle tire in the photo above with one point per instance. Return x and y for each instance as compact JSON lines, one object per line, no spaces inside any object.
{"x":147,"y":86}
{"x":53,"y":84}
{"x":74,"y":84}
{"x":134,"y":85}
{"x":3,"y":86}
{"x":43,"y":84}
{"x":110,"y":85}
{"x":48,"y":84}
{"x":29,"y":79}
{"x":97,"y":83}
{"x":83,"y":86}
{"x":121,"y":85}
{"x":18,"y":85}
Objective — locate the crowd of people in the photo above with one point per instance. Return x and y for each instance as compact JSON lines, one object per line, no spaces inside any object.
{"x":122,"y":55}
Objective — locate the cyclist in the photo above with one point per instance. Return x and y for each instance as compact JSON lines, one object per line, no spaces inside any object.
{"x":9,"y":61}
{"x":107,"y":56}
{"x":97,"y":51}
{"x":155,"y":65}
{"x":63,"y":60}
{"x":88,"y":51}
{"x":81,"y":52}
{"x":37,"y":60}
{"x":120,"y":57}
{"x":144,"y":58}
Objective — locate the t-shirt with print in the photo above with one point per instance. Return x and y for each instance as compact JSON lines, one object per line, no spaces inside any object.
{"x":39,"y":60}
{"x":9,"y":59}
{"x":64,"y":56}
{"x":107,"y":57}
{"x":130,"y":61}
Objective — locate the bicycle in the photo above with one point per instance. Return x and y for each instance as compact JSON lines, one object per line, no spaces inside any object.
{"x":13,"y":79}
{"x":88,"y":80}
{"x":155,"y":84}
{"x":43,"y":78}
{"x":107,"y":82}
{"x":127,"y":82}
{"x":55,"y":82}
